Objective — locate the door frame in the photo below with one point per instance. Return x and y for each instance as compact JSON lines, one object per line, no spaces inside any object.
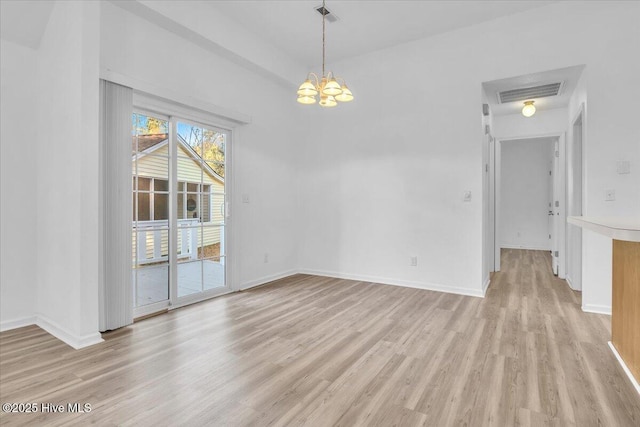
{"x":580,"y":115}
{"x":146,"y":103}
{"x":561,"y":210}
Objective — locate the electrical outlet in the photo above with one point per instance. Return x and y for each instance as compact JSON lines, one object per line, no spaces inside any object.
{"x":266,"y":257}
{"x":609,"y":195}
{"x":413,"y":261}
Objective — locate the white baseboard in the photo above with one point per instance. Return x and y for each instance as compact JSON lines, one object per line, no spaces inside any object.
{"x":625,"y":367}
{"x":266,"y":279}
{"x":570,"y":283}
{"x":486,"y":284}
{"x":21,"y":322}
{"x":396,"y":282}
{"x":527,"y":247}
{"x":595,"y":308}
{"x":75,"y":341}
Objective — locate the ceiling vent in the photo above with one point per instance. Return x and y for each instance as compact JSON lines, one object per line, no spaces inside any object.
{"x":526,"y":93}
{"x":330,"y":17}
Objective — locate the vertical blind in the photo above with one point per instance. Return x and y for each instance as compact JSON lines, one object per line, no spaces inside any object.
{"x":116,"y":296}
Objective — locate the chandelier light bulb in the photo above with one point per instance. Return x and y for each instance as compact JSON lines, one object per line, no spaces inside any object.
{"x":307,"y":89}
{"x":327,"y":101}
{"x":332,"y":88}
{"x":306,"y":99}
{"x":346,"y":94}
{"x":529,"y":109}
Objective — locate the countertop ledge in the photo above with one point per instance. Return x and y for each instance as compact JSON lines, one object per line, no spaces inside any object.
{"x":618,"y":228}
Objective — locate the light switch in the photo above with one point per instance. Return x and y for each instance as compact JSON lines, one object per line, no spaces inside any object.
{"x":609,"y":195}
{"x":623,"y":166}
{"x":467,"y":196}
{"x":245,"y":198}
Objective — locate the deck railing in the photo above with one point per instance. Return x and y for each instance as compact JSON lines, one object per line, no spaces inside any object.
{"x":152,"y":243}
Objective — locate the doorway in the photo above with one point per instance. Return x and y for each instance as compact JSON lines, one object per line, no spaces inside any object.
{"x":575,"y":179}
{"x":525,"y":217}
{"x":179,"y":173}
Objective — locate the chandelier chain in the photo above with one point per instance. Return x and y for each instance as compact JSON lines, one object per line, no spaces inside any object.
{"x":324,"y":12}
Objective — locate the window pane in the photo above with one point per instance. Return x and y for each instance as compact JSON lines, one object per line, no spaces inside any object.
{"x":187,"y":245}
{"x":211,"y":244}
{"x":144,"y":213}
{"x":160,"y":206}
{"x":148,"y":132}
{"x":181,"y":209}
{"x":205,"y":214}
{"x":191,"y":136}
{"x":216,"y":167}
{"x":151,"y":269}
{"x":149,"y":125}
{"x":213,"y":273}
{"x":213,"y":145}
{"x":206,"y":143}
{"x":189,"y":278}
{"x":160,"y":185}
{"x":217,"y":208}
{"x":144,"y":184}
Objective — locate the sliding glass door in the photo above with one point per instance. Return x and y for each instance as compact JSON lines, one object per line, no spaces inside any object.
{"x":200,"y":208}
{"x":179,"y":216}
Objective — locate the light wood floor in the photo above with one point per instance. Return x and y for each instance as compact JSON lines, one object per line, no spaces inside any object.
{"x":320,"y":351}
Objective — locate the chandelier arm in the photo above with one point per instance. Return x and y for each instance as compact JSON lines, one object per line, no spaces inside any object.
{"x":315,"y":76}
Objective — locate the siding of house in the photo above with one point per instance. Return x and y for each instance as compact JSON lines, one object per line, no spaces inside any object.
{"x":155,"y":165}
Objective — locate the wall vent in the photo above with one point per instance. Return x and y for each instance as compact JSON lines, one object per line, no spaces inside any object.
{"x":330,"y":17}
{"x":527,"y":93}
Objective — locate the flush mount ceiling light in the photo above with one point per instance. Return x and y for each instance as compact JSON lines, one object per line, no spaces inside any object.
{"x":529,"y":109}
{"x":327,"y":87}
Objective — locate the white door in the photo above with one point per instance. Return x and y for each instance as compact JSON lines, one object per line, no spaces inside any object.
{"x":199,"y":214}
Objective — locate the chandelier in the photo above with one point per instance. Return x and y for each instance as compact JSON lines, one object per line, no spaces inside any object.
{"x":330,"y":90}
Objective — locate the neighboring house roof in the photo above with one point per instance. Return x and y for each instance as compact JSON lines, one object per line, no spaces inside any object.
{"x":149,"y":143}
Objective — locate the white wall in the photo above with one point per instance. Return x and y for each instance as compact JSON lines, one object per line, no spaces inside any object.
{"x":488,"y":234}
{"x":385,"y":179}
{"x":525,"y":193}
{"x":544,"y":122}
{"x":264,"y":151}
{"x":18,"y":207}
{"x":592,"y":252}
{"x":67,"y":173}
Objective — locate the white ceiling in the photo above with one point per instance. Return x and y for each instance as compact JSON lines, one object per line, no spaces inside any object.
{"x":363,"y":26}
{"x":569,"y":76}
{"x":290,"y":28}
